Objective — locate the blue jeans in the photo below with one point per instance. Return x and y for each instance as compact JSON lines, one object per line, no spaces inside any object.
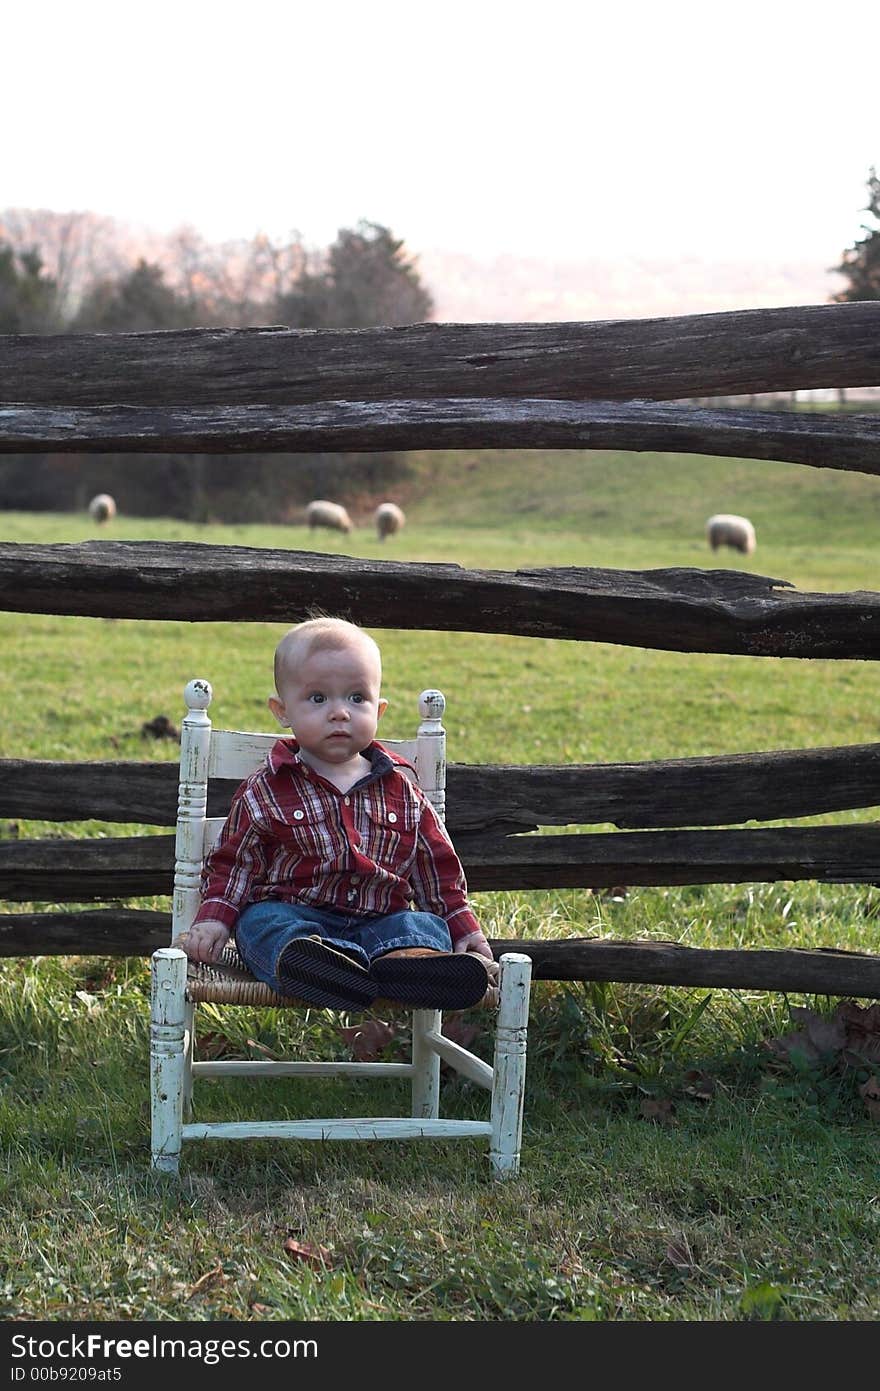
{"x":265,"y":929}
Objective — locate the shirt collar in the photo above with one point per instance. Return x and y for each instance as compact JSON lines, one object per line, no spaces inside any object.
{"x":285,"y":753}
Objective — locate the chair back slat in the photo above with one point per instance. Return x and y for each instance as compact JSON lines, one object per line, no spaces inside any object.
{"x":211,"y":828}
{"x":236,"y":753}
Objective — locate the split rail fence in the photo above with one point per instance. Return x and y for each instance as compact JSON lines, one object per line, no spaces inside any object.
{"x":619,"y":384}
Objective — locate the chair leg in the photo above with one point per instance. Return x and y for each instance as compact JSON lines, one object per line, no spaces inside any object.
{"x":167,"y":1058}
{"x":189,"y":1045}
{"x":426,"y":1077}
{"x":509,"y":1066}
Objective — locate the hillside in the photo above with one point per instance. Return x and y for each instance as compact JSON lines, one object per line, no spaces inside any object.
{"x":650,"y":497}
{"x":505,"y":508}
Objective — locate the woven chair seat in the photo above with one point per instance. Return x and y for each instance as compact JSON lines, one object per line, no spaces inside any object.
{"x":229,"y":982}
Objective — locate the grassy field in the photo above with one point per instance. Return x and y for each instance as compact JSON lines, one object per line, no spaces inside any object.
{"x":751,"y":1195}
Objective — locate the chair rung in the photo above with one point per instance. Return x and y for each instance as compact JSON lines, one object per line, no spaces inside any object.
{"x":464,"y":1062}
{"x":257,"y":1068}
{"x":361,"y":1128}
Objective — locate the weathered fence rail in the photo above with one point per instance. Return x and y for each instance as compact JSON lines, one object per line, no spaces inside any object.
{"x":664,"y":359}
{"x":683,"y":610}
{"x":137,"y":932}
{"x":483,"y":797}
{"x":596,"y":385}
{"x":824,"y":441}
{"x":135,"y":866}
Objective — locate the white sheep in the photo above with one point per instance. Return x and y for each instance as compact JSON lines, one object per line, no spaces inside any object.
{"x":329,"y":514}
{"x":389,"y":519}
{"x":726,"y":529}
{"x":102,"y":508}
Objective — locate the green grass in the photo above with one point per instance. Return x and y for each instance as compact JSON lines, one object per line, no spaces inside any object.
{"x":759,"y":1202}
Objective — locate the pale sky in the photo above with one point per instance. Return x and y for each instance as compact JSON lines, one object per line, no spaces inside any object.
{"x":551,"y":128}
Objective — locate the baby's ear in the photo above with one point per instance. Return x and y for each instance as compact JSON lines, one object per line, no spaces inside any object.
{"x":277,"y":708}
{"x":381,"y":707}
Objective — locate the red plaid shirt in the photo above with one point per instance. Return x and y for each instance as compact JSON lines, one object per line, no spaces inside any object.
{"x":378,"y":848}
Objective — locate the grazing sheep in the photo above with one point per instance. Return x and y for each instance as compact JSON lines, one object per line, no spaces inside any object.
{"x":329,"y":514}
{"x":726,"y":529}
{"x":389,"y":519}
{"x":102,"y":508}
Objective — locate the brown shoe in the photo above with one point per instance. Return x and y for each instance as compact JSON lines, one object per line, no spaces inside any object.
{"x":431,"y":979}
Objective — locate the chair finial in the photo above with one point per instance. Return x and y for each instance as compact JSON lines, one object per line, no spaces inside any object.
{"x":198,"y":694}
{"x":431,"y":705}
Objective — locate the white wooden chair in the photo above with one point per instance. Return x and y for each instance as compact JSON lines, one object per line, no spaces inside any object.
{"x":178,"y":985}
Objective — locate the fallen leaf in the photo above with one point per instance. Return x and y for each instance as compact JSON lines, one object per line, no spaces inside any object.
{"x":662,"y":1111}
{"x":261,"y":1048}
{"x":368,"y":1040}
{"x":212,"y":1045}
{"x":870,"y":1094}
{"x":796,"y":1042}
{"x":458,"y":1030}
{"x":862,"y":1029}
{"x":827,"y":1033}
{"x":307,"y":1251}
{"x":208,"y":1278}
{"x":851,"y":1035}
{"x":679,"y":1254}
{"x":699,"y":1085}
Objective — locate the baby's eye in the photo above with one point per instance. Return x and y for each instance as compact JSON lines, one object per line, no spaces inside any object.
{"x":317,"y":698}
{"x":357,"y":698}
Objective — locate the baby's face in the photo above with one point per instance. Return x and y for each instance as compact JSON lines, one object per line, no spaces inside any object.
{"x":331,"y":702}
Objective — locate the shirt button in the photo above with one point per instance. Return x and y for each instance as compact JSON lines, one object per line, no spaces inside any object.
{"x":355,"y":879}
{"x":347,"y":801}
{"x":298,"y":815}
{"x":392,"y":816}
{"x":351,"y":896}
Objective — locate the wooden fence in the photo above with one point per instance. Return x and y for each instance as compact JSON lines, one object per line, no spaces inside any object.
{"x":583,"y":386}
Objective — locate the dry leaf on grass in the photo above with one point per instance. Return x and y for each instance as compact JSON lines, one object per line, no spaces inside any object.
{"x":862,"y":1029}
{"x":367,"y":1041}
{"x":662,"y":1111}
{"x":458,"y":1030}
{"x":679,"y":1254}
{"x":308,"y":1252}
{"x":212,"y":1045}
{"x":209,"y":1278}
{"x":852,"y":1033}
{"x":870,"y":1094}
{"x":699,"y":1085}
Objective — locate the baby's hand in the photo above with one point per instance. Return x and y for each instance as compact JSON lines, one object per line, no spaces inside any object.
{"x":205,"y":941}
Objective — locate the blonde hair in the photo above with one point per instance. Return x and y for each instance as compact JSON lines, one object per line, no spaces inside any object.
{"x":320,"y":634}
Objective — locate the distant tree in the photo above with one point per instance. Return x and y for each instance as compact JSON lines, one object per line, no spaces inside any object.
{"x":234,"y":283}
{"x":77,"y":248}
{"x":28,"y":297}
{"x":364,"y":280}
{"x":861,"y":262}
{"x":136,"y":302}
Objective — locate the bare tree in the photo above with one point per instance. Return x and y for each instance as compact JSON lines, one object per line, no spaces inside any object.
{"x":76,"y":248}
